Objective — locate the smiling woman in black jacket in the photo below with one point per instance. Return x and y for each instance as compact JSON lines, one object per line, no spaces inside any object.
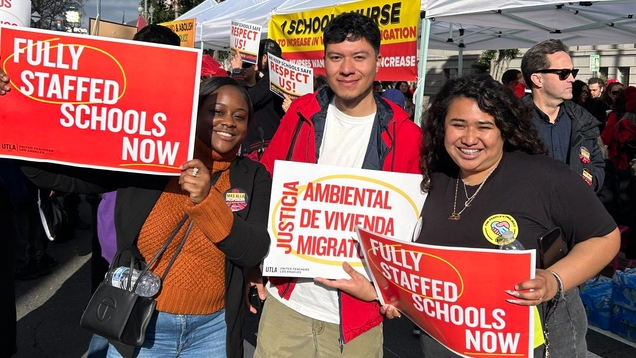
{"x":205,"y":285}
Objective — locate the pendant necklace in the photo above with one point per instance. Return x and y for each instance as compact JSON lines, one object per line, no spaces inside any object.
{"x":456,"y":215}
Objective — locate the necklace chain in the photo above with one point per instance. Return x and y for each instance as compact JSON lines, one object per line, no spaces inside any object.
{"x":456,"y":215}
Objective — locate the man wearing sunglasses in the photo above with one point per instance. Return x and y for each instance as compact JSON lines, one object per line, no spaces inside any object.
{"x":569,"y":131}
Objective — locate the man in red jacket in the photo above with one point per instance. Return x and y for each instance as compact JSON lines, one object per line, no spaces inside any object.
{"x":343,"y":124}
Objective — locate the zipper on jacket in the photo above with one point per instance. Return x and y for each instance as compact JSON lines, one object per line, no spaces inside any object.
{"x":282,"y":295}
{"x":341,"y":341}
{"x":293,"y":141}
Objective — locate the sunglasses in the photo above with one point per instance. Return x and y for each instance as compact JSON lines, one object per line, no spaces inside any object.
{"x":563,"y":73}
{"x":615,"y":92}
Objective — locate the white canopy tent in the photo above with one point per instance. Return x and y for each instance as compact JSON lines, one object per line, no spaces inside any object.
{"x":201,"y":13}
{"x":459,"y":24}
{"x":485,"y":24}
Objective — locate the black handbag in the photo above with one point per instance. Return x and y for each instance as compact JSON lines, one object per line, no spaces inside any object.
{"x":122,"y":315}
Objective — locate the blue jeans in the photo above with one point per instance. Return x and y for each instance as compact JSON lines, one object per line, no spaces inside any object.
{"x":175,"y":335}
{"x":98,"y":347}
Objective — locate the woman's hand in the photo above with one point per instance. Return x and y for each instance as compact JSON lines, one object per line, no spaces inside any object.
{"x":536,"y":291}
{"x":390,"y":312}
{"x":195,"y":179}
{"x":358,"y":286}
{"x":254,"y":277}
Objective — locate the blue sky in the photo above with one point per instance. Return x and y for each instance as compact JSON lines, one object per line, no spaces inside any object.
{"x":112,"y":10}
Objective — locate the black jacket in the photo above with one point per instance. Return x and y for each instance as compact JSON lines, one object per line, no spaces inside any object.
{"x":268,"y":111}
{"x":585,"y":133}
{"x":246,"y":245}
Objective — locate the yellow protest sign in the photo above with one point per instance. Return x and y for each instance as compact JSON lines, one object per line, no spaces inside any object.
{"x":184,"y":28}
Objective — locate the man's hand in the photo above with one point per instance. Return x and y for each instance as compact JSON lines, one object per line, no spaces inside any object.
{"x":358,"y":286}
{"x":236,"y":60}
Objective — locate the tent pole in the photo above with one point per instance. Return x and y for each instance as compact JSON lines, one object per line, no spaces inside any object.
{"x":425,"y":25}
{"x":460,"y":61}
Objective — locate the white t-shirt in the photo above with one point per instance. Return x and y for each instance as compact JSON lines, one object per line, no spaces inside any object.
{"x":344,"y":143}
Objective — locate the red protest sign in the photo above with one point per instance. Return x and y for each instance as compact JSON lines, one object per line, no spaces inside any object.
{"x":98,"y":102}
{"x":456,"y":295}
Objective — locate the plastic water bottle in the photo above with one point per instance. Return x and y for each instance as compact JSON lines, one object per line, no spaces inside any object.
{"x":148,"y":286}
{"x":506,"y":244}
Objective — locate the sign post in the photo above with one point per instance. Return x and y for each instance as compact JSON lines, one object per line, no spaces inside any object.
{"x":595,"y":64}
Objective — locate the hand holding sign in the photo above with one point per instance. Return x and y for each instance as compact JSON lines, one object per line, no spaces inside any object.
{"x":195,"y":179}
{"x":357,"y":286}
{"x":236,"y":61}
{"x":533,"y":292}
{"x":4,"y":83}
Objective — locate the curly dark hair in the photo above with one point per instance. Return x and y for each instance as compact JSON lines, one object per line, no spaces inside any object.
{"x":512,"y":118}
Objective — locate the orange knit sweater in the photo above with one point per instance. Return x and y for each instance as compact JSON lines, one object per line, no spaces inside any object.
{"x":196,"y":282}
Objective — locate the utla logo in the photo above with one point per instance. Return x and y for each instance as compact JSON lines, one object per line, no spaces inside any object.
{"x":271,"y":269}
{"x":8,"y":146}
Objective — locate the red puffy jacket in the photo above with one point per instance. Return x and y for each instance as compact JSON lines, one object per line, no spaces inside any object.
{"x":395,"y":145}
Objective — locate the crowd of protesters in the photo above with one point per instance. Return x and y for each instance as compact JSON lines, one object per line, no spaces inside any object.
{"x":537,"y":127}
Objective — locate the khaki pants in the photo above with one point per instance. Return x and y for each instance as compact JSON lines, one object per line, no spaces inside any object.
{"x":283,"y":332}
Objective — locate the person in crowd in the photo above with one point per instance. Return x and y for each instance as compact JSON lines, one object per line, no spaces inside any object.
{"x":609,"y":95}
{"x":594,"y":104}
{"x":580,"y":92}
{"x":404,"y":87}
{"x":596,"y":86}
{"x":204,"y":290}
{"x":377,"y":87}
{"x":622,"y":146}
{"x":480,"y":142}
{"x":268,"y":107}
{"x":513,"y":79}
{"x":616,"y":114}
{"x":343,"y":124}
{"x":569,"y":131}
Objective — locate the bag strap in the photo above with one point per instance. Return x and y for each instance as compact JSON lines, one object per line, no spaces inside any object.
{"x":174,"y":257}
{"x":213,"y":179}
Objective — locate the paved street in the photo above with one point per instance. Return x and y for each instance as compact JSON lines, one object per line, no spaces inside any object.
{"x":49,"y":311}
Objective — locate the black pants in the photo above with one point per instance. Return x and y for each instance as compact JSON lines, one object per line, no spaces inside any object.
{"x":9,"y":238}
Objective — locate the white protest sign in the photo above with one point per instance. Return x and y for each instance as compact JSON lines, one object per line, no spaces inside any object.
{"x":288,"y":78}
{"x":15,"y":13}
{"x":314,"y":211}
{"x":245,"y":38}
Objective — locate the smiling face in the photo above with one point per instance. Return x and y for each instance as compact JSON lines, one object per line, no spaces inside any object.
{"x":351,"y":67}
{"x":472,"y":140}
{"x":222,"y":120}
